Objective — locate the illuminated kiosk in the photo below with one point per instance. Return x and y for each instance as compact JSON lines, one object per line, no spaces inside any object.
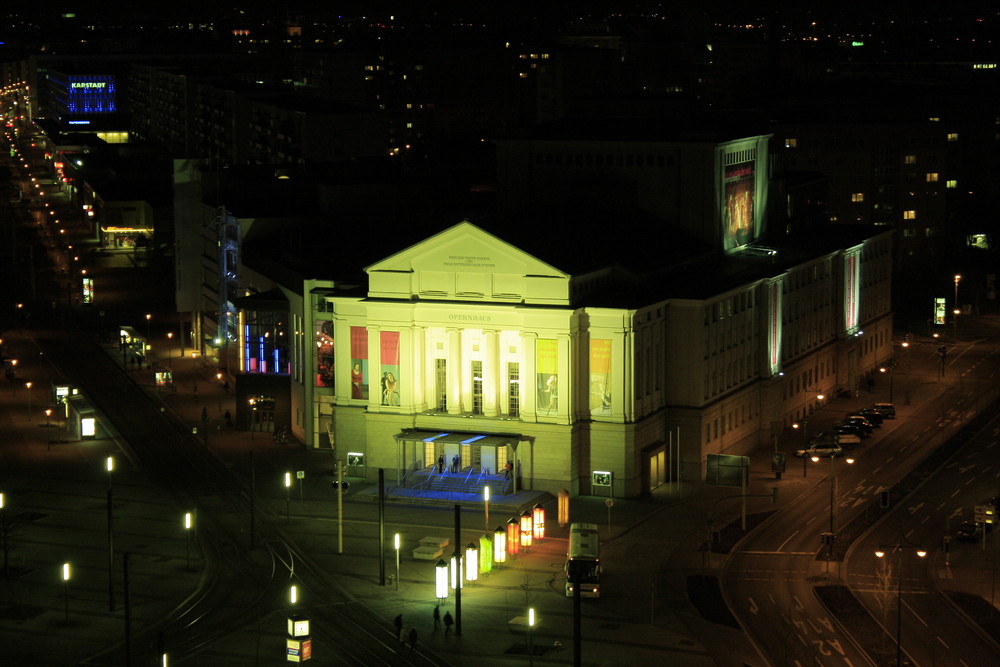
{"x":298,"y":644}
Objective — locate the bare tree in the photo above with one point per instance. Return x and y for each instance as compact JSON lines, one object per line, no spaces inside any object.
{"x":884,"y":591}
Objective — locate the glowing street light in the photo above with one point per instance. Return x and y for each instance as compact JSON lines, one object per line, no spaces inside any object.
{"x":395,"y":544}
{"x":188,"y":527}
{"x":288,"y":496}
{"x":441,"y":580}
{"x":898,"y":547}
{"x":471,"y":562}
{"x":486,"y":505}
{"x":65,"y":578}
{"x":499,"y":545}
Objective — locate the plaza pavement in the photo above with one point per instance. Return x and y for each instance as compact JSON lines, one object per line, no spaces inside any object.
{"x":55,"y":509}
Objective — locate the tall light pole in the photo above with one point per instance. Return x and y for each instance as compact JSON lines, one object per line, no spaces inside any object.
{"x":954,"y":322}
{"x":829,"y":537}
{"x":3,"y":531}
{"x":898,"y":547}
{"x":27,"y":386}
{"x":109,"y":464}
{"x":395,"y":543}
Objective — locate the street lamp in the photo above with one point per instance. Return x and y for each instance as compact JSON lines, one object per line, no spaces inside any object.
{"x":531,"y":626}
{"x":170,"y":350}
{"x":500,"y":545}
{"x":395,"y":542}
{"x":27,"y":386}
{"x":3,"y":531}
{"x":889,"y":368}
{"x":471,"y":562}
{"x":188,"y":527}
{"x":954,"y":322}
{"x":829,"y":537}
{"x":65,"y":578}
{"x":486,"y":505}
{"x":805,"y":439}
{"x":898,"y":547}
{"x":288,"y":493}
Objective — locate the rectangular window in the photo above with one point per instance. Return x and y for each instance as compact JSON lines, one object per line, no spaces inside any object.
{"x":909,"y":159}
{"x":441,"y":383}
{"x":951,"y":184}
{"x":932,"y":177}
{"x":953,"y":136}
{"x":514,"y":389}
{"x":791,"y":143}
{"x":909,"y":215}
{"x":477,"y":387}
{"x":858,"y":197}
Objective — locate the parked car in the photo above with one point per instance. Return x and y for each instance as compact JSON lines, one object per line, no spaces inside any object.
{"x":854,"y":429}
{"x":835,"y":437}
{"x":860,"y":422}
{"x":887,"y":410}
{"x":822,"y":451}
{"x":871,"y":415}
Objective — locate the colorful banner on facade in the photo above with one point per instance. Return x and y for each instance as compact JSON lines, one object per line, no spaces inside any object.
{"x":547,"y":374}
{"x":323,"y":340}
{"x":600,"y":376}
{"x":851,"y":286}
{"x":389,"y":358}
{"x":359,"y":363}
{"x":737,"y":206}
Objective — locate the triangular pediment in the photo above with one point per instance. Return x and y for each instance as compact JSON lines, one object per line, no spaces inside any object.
{"x":465,"y":262}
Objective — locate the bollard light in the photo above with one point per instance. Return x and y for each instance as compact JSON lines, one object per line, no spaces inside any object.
{"x":441,"y":580}
{"x":538,"y":521}
{"x":513,"y":537}
{"x":293,"y":594}
{"x":526,"y":532}
{"x":485,"y":554}
{"x":456,"y":573}
{"x":471,"y":562}
{"x":499,"y":545}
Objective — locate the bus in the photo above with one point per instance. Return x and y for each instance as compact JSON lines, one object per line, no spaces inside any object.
{"x":583,"y":565}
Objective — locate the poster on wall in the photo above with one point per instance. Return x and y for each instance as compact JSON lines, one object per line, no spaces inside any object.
{"x":939,"y":310}
{"x":389,"y":346}
{"x":547,"y":373}
{"x":324,"y":353}
{"x":600,"y":376}
{"x":359,"y":363}
{"x":737,"y":209}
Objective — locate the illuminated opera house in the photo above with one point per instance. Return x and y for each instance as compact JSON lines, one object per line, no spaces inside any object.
{"x":601,"y":350}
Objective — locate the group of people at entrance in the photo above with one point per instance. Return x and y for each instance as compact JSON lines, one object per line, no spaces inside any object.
{"x":456,"y":464}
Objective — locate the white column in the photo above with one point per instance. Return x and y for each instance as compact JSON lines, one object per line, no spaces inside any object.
{"x":566,"y":377}
{"x":374,"y":369}
{"x":454,"y":371}
{"x":491,"y":373}
{"x":529,"y":383}
{"x":418,"y":369}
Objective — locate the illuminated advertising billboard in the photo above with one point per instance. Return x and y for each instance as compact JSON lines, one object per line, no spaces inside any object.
{"x":738,"y":205}
{"x":94,"y":94}
{"x":939,"y":310}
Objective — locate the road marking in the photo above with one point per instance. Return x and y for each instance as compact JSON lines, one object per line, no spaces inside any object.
{"x":753,"y":607}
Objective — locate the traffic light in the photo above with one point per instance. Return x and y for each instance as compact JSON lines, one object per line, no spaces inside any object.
{"x":884,"y":499}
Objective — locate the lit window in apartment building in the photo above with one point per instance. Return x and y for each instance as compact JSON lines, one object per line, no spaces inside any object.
{"x":953,"y":136}
{"x":909,"y":215}
{"x":858,"y":196}
{"x":791,"y":143}
{"x":934,"y":119}
{"x":930,"y":231}
{"x":513,"y":389}
{"x":951,"y":183}
{"x":932,"y":177}
{"x":909,"y":159}
{"x":909,"y":232}
{"x":522,"y":75}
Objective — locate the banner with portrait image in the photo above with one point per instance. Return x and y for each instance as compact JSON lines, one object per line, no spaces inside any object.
{"x":547,"y":374}
{"x":600,"y":376}
{"x":738,"y":205}
{"x":389,"y":359}
{"x":359,"y":363}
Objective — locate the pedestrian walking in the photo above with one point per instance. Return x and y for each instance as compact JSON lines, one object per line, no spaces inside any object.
{"x":229,"y":419}
{"x":399,"y":625}
{"x":204,"y":414}
{"x":448,"y":622}
{"x":441,"y":464}
{"x":437,"y":617}
{"x":506,"y":469}
{"x":413,"y":638}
